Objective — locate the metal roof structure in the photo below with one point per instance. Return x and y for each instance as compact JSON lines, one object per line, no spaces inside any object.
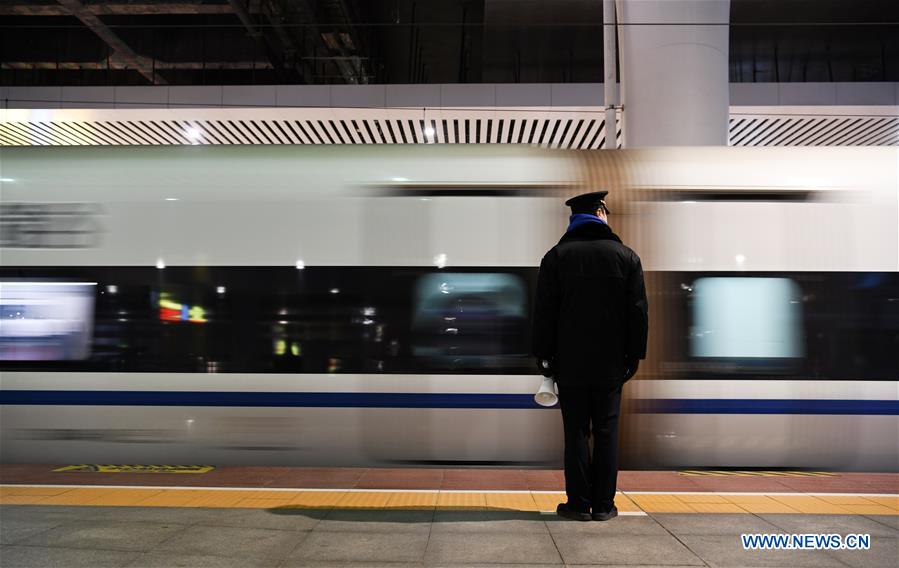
{"x":315,"y":42}
{"x":570,"y":128}
{"x":562,"y":115}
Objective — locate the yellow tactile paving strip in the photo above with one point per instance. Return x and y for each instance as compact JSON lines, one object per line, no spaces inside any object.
{"x":629,"y":502}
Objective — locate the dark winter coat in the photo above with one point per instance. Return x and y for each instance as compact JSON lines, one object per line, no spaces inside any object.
{"x":591,"y":313}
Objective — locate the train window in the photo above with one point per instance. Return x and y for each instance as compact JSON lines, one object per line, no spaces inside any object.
{"x":843,"y":326}
{"x":753,"y":320}
{"x":46,"y":320}
{"x":469,"y":320}
{"x":801,"y":325}
{"x":852,"y":325}
{"x":282,"y":320}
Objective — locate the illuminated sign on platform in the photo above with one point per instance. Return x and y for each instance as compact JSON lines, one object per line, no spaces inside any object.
{"x":169,"y":310}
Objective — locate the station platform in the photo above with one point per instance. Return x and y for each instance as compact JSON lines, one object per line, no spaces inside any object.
{"x":278,"y":516}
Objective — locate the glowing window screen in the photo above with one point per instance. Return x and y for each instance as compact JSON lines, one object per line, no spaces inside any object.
{"x":46,"y":321}
{"x":746,"y":318}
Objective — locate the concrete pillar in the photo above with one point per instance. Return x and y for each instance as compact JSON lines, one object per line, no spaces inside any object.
{"x":674,"y":72}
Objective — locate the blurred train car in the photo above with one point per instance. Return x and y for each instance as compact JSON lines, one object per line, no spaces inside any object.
{"x":370,"y":305}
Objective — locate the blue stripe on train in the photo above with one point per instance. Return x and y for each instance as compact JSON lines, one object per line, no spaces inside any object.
{"x":269,"y":399}
{"x":766,"y":406}
{"x":435,"y":400}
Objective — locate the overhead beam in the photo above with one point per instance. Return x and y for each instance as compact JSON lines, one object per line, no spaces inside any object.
{"x":121,"y":54}
{"x":118,"y":9}
{"x":160,"y":65}
{"x":271,"y":49}
{"x":317,"y":15}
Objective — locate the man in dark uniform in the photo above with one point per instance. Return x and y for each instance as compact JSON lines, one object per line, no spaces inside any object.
{"x":590,"y":329}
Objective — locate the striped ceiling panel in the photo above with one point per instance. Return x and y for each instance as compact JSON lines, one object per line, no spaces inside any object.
{"x":748,"y":130}
{"x":573,"y":129}
{"x":588,"y":132}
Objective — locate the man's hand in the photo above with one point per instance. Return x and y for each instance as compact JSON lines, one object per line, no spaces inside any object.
{"x":546,"y":367}
{"x":631,"y":366}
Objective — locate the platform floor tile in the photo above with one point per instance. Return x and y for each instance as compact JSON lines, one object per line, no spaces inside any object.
{"x":104,"y":535}
{"x":840,"y":524}
{"x":598,"y":548}
{"x":329,"y":546}
{"x":239,"y":542}
{"x":466,"y":548}
{"x":177,"y":560}
{"x":42,"y":557}
{"x":356,"y":537}
{"x":712,"y":525}
{"x":373,"y":520}
{"x":475,"y":522}
{"x":726,"y":551}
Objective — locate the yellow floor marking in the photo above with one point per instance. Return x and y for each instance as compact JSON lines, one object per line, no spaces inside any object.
{"x":171,"y":498}
{"x":753,"y":473}
{"x":124,"y":498}
{"x":702,"y":498}
{"x":716,"y":508}
{"x":317,"y":499}
{"x":262,"y":503}
{"x":31,"y":490}
{"x":19,"y":500}
{"x":660,"y":504}
{"x":511,"y":502}
{"x":548,"y":501}
{"x":661,"y":497}
{"x":217,"y":499}
{"x":278,"y":495}
{"x":760,"y":504}
{"x":846,"y":500}
{"x":75,"y":497}
{"x":625,"y":505}
{"x":122,"y":468}
{"x":508,"y":501}
{"x":461,"y":501}
{"x":373,"y":500}
{"x":809,"y":505}
{"x":889,"y":502}
{"x":412,"y":501}
{"x":666,"y":508}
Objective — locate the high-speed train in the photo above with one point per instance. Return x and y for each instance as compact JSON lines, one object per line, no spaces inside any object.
{"x":371,"y":305}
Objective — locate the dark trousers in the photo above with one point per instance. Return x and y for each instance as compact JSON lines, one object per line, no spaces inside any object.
{"x":590,"y":482}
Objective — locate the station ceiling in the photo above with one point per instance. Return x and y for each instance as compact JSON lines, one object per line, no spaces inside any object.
{"x":575,"y":128}
{"x":237,"y":42}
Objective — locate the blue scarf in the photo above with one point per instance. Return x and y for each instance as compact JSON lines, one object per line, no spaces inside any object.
{"x":579,"y":219}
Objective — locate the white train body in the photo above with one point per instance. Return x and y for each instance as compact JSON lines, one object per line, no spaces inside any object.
{"x":348,"y":380}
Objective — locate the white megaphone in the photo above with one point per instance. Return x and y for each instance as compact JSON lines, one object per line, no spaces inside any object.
{"x":546,"y":396}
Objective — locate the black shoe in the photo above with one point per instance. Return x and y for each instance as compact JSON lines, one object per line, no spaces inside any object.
{"x":569,"y":512}
{"x":608,"y":515}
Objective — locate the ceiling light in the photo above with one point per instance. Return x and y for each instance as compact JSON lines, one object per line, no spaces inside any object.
{"x":160,"y":264}
{"x":301,"y":265}
{"x":193,"y":133}
{"x":429,"y":131}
